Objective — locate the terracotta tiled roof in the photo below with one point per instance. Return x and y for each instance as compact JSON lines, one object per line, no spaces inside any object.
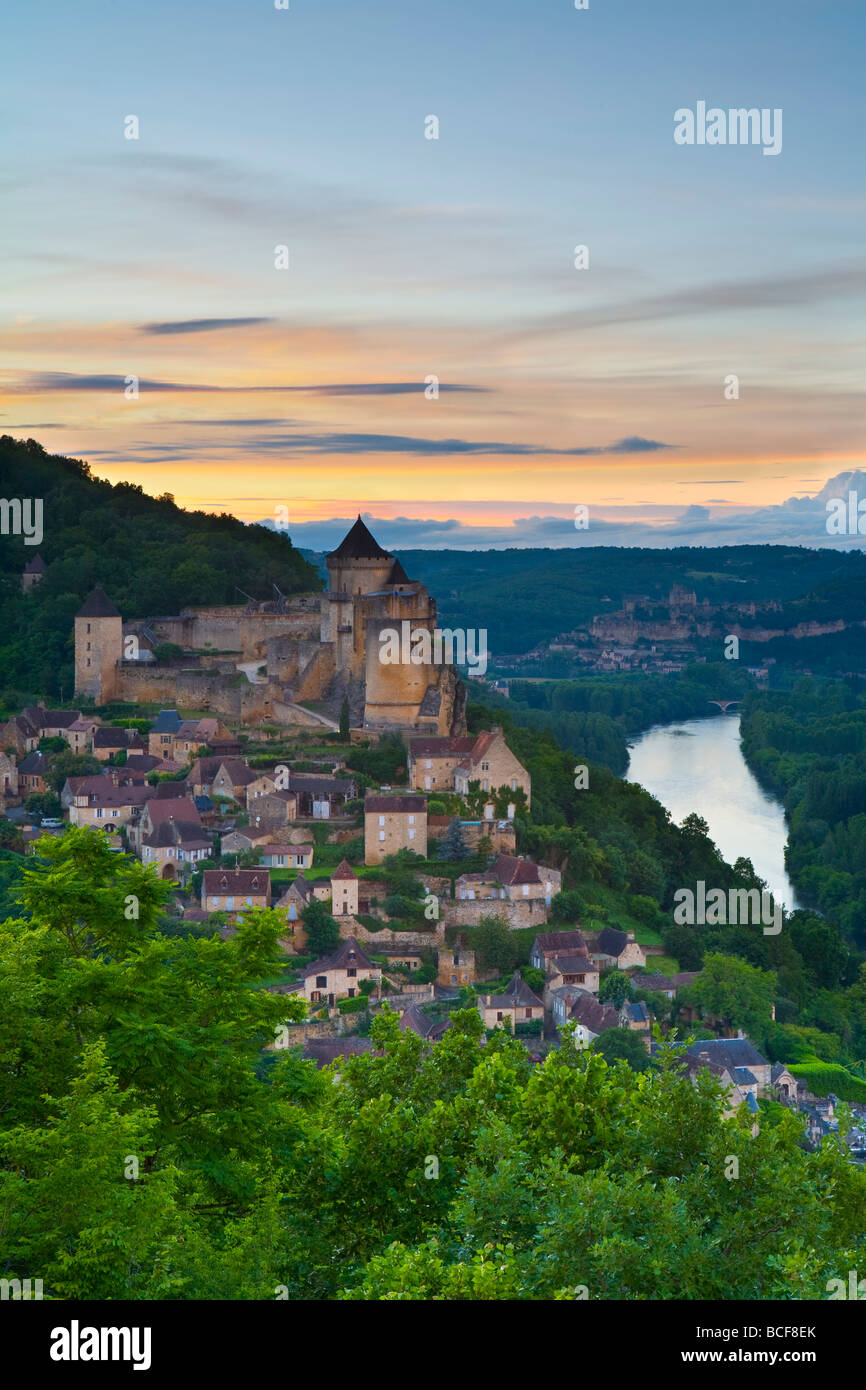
{"x":344,"y":870}
{"x":239,"y":882}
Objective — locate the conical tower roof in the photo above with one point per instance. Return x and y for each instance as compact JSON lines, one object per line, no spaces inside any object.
{"x":359,"y":544}
{"x":398,"y":575}
{"x":98,"y":605}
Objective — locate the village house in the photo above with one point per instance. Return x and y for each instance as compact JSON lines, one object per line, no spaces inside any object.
{"x":456,"y":966}
{"x":564,"y":958}
{"x":274,"y":810}
{"x":518,"y":1005}
{"x":635,"y":1016}
{"x":32,"y":772}
{"x":175,"y":847}
{"x":739,"y":1057}
{"x":181,"y":739}
{"x":451,"y":764}
{"x":19,"y":735}
{"x":107,"y":742}
{"x":52,"y":723}
{"x":344,"y":890}
{"x":515,"y":888}
{"x":611,"y":947}
{"x":231,"y":890}
{"x":81,"y":733}
{"x":97,"y":801}
{"x":159,"y":809}
{"x":414,"y":1020}
{"x":784,"y":1083}
{"x":408,"y":957}
{"x":321,"y":798}
{"x":32,"y":573}
{"x":501,"y":834}
{"x":298,"y":856}
{"x":339,"y":975}
{"x":665,"y":984}
{"x":296,"y":898}
{"x":392,"y":823}
{"x":591,"y":1018}
{"x":242,"y":841}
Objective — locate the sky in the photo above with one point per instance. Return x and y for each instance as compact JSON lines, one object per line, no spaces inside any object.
{"x":415,"y":261}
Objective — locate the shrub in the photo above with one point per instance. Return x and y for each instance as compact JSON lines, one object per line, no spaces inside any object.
{"x":354,"y":1006}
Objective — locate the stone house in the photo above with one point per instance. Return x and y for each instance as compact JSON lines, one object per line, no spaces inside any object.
{"x":511,"y":879}
{"x":450,"y":764}
{"x":406,"y":956}
{"x":180,"y":739}
{"x":635,"y":1016}
{"x":392,"y":823}
{"x":32,"y":772}
{"x":339,"y":975}
{"x":298,"y":856}
{"x":108,"y":741}
{"x":81,"y":733}
{"x":738,"y":1056}
{"x":231,"y":890}
{"x":611,"y":947}
{"x":519,"y":1004}
{"x":242,"y":841}
{"x":19,"y":734}
{"x":52,"y":723}
{"x":159,"y":810}
{"x":456,"y":966}
{"x":175,"y":847}
{"x":591,"y":1018}
{"x":97,"y":801}
{"x":274,"y":809}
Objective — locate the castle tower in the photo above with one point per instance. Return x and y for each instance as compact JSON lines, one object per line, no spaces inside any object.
{"x":98,"y":647}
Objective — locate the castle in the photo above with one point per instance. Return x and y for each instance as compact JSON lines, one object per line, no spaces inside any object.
{"x":257,"y":662}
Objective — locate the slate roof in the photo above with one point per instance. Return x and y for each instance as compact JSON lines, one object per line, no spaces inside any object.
{"x":344,"y":870}
{"x":636,"y":1010}
{"x":592,"y":1015}
{"x":612,"y":942}
{"x":35,"y":764}
{"x":572,"y":964}
{"x":402,"y":804}
{"x":348,"y":955}
{"x":239,"y":882}
{"x":172,"y":808}
{"x":398,"y":575}
{"x":440,"y":747}
{"x":98,"y":605}
{"x":551,"y":943}
{"x":185,"y":834}
{"x":323,"y":1051}
{"x":35,"y":566}
{"x":51,"y":718}
{"x":168,"y":721}
{"x":359,"y":544}
{"x":729,"y":1052}
{"x":518,"y":994}
{"x":744,"y":1077}
{"x":299,"y":886}
{"x":118,"y":738}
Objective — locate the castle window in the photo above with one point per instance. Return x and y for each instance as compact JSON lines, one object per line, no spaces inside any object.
{"x":411,"y":834}
{"x":88,"y":661}
{"x":485,"y":767}
{"x":381,"y":834}
{"x":88,"y":627}
{"x":381,"y":820}
{"x":411,"y":820}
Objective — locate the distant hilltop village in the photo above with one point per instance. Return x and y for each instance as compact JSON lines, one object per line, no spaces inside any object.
{"x":257,"y":662}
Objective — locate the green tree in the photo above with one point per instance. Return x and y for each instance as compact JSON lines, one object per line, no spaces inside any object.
{"x":344,"y":719}
{"x":323,"y":932}
{"x":738,"y":995}
{"x":453,"y":846}
{"x":617,"y":1044}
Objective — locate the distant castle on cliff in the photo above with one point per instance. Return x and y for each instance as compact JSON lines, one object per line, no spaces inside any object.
{"x":259,"y":661}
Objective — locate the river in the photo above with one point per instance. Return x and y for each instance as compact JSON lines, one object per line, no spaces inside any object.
{"x":698,"y":766}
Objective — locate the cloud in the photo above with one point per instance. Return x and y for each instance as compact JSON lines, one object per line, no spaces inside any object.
{"x":353,"y":443}
{"x":43,"y":383}
{"x":797,"y":521}
{"x":766,"y":292}
{"x":199,"y":325}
